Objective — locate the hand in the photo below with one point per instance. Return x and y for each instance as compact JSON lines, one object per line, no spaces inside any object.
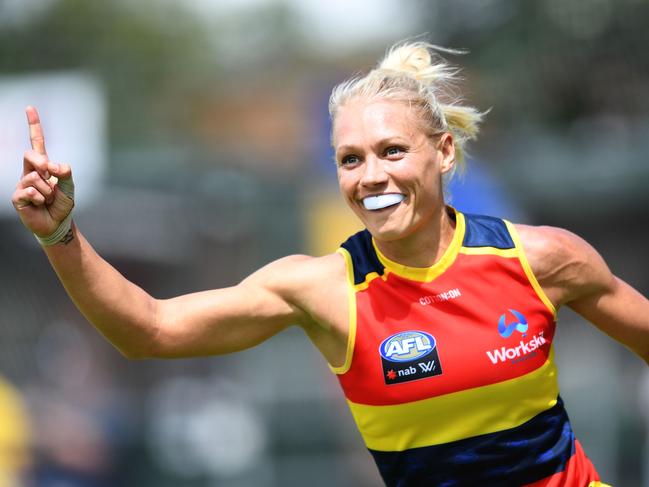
{"x":44,"y":196}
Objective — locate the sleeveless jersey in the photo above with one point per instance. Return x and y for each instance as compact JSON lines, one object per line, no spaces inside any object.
{"x":449,"y":372}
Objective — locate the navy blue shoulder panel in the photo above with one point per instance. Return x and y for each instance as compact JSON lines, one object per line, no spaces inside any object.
{"x":486,"y":231}
{"x":364,"y":257}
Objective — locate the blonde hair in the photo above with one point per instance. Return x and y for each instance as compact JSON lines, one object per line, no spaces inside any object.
{"x":417,"y":74}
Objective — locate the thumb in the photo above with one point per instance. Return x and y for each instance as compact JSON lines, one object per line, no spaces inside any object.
{"x":63,"y":173}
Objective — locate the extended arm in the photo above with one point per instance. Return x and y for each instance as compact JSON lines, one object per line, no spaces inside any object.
{"x":210,"y":322}
{"x":618,"y":310}
{"x":574,"y":274}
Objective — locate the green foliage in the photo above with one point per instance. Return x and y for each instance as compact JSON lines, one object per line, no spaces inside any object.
{"x":148,"y":58}
{"x":551,"y":61}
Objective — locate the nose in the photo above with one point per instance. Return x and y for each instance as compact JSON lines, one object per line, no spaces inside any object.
{"x":374,"y":172}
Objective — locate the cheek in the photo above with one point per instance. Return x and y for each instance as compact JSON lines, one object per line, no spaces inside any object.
{"x":427,"y":184}
{"x":344,"y":189}
{"x":345,"y":185}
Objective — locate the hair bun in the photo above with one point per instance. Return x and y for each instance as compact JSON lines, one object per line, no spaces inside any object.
{"x":409,"y":58}
{"x":422,"y":61}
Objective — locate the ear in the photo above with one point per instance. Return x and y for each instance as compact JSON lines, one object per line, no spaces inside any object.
{"x":446,"y":147}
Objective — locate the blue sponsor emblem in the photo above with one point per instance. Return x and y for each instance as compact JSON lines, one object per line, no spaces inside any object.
{"x":409,"y":355}
{"x":506,"y":329}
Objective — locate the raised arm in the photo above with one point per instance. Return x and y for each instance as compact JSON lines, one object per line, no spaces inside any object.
{"x":573,"y":273}
{"x":210,"y":322}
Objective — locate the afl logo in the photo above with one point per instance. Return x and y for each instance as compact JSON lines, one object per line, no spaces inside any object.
{"x":407,"y":346}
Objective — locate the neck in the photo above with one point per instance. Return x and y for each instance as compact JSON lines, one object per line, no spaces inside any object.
{"x":425,"y":246}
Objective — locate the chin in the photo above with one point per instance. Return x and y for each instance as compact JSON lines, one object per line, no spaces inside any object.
{"x":386,"y":234}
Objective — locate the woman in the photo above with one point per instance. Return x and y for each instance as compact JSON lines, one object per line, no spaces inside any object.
{"x":439,"y":325}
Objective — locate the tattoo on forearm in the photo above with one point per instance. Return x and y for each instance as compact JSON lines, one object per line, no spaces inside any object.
{"x":68,"y":237}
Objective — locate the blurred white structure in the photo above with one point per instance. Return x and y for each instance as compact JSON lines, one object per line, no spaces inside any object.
{"x":73,"y":113}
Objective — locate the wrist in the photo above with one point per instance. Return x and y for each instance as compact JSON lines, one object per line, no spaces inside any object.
{"x":63,"y":234}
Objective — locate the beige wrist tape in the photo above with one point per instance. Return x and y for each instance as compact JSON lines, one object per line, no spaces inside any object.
{"x":58,"y":234}
{"x":66,"y":186}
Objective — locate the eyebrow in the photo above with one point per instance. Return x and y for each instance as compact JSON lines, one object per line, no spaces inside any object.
{"x":346,"y":148}
{"x":381,"y":142}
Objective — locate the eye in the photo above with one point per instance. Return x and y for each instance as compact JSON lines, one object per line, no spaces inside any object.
{"x":394,"y":151}
{"x":350,"y":160}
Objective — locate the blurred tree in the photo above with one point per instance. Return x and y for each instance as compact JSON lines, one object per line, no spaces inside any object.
{"x":151,"y":59}
{"x":554,"y":61}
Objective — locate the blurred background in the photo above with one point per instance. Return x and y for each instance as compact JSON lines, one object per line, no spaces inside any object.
{"x":199,"y":136}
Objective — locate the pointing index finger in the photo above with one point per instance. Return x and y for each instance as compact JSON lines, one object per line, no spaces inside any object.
{"x":35,"y":130}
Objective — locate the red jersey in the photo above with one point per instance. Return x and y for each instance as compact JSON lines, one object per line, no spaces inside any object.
{"x":450,"y":373}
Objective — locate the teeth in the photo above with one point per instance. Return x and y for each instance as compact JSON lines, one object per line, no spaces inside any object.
{"x":382,"y":201}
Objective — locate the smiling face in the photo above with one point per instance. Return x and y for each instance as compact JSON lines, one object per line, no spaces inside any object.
{"x":389,"y":168}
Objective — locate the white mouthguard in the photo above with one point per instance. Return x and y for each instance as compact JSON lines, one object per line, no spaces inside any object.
{"x":382,"y":201}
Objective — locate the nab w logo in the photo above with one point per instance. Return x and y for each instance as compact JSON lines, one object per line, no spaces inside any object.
{"x":506,"y":329}
{"x":409,"y":355}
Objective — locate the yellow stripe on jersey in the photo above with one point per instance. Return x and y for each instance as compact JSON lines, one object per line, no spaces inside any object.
{"x":506,"y":253}
{"x":351,"y":299}
{"x":427,"y":274}
{"x":458,"y":415}
{"x":528,"y":269}
{"x":369,"y":278}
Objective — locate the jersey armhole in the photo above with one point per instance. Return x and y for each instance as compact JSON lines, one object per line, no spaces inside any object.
{"x":528,"y":269}
{"x":351,"y":299}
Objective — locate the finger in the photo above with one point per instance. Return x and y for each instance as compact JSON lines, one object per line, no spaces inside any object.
{"x":34,"y":180}
{"x":25,"y":197}
{"x":34,"y":160}
{"x":35,"y":130}
{"x":61,"y":171}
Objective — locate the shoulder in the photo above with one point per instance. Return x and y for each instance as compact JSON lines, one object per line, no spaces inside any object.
{"x":546,"y":247}
{"x":566,"y":266}
{"x":296,"y":278}
{"x":299,"y":270}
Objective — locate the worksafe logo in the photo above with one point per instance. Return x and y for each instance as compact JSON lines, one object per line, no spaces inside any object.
{"x":516,"y":352}
{"x":519,"y":324}
{"x":409,"y":355}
